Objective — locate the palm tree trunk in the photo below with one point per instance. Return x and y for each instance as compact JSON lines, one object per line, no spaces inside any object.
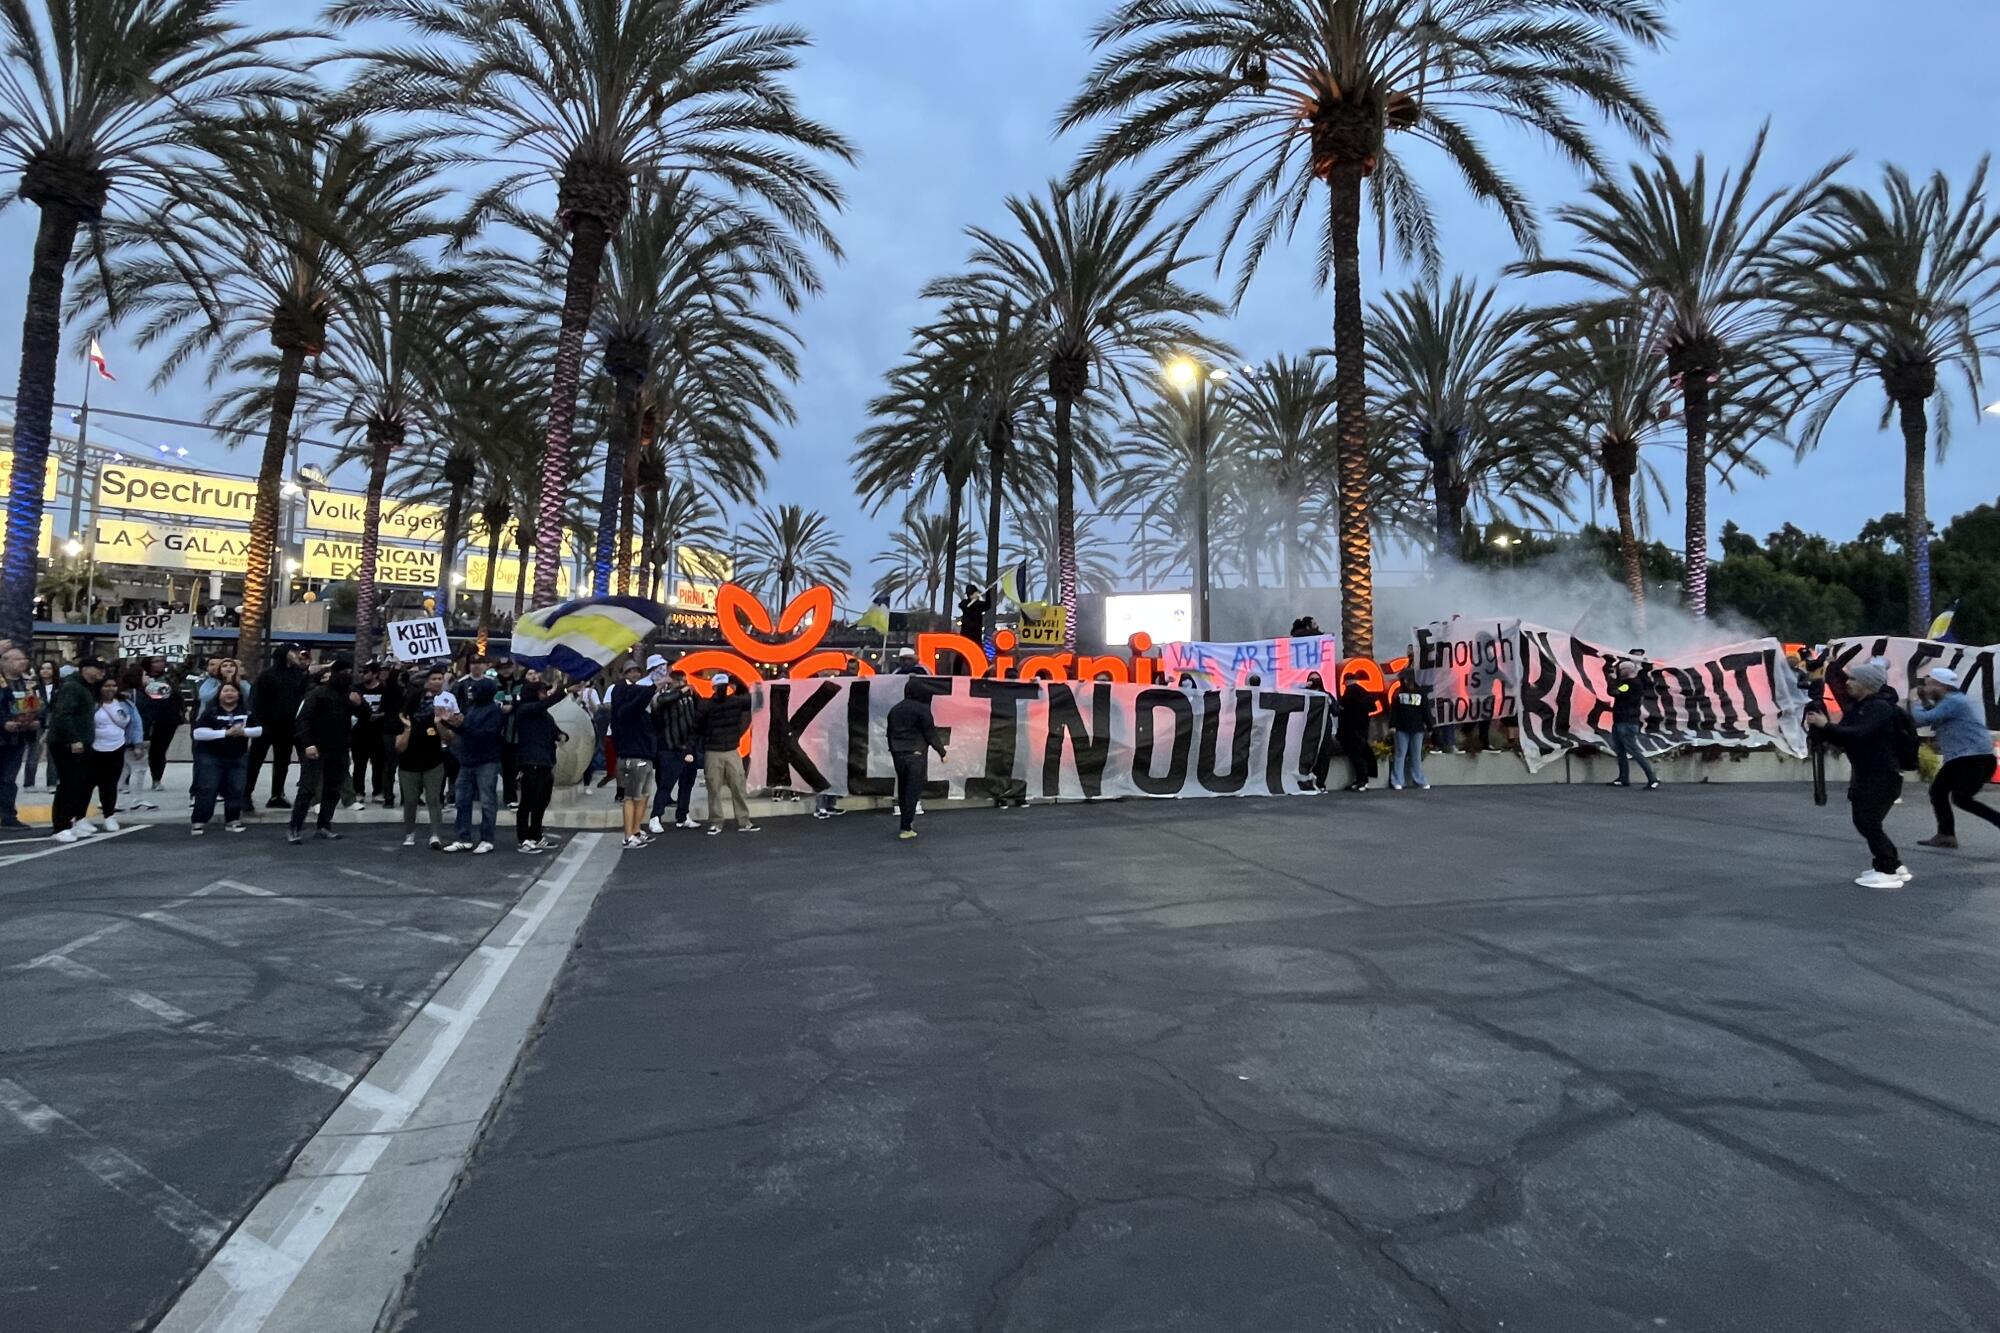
{"x":1628,"y":544}
{"x":264,"y":518}
{"x":382,"y":442}
{"x":453,"y":514}
{"x":624,"y":427}
{"x":954,"y":505}
{"x":486,"y":593}
{"x":1066,"y":518}
{"x":1449,"y":520}
{"x":997,"y":441}
{"x":524,"y":545}
{"x":1694,"y":405}
{"x":1293,"y":574}
{"x":34,"y":414}
{"x":1350,"y":380}
{"x":650,"y":521}
{"x":589,"y":236}
{"x":1916,"y":514}
{"x":627,"y":505}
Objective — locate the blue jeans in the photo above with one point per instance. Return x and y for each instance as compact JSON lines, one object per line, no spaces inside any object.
{"x":215,"y":774}
{"x":481,"y":781}
{"x":1406,"y":763}
{"x":1624,"y":742}
{"x":10,"y":769}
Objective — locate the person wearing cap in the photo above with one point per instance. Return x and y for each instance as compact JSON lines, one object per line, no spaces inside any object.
{"x":323,"y":737}
{"x":907,"y":664}
{"x":1629,"y":693}
{"x":724,"y":717}
{"x":677,"y":724}
{"x":274,"y":702}
{"x":72,"y":725}
{"x":912,"y":736}
{"x":1868,"y":735}
{"x":1966,"y":747}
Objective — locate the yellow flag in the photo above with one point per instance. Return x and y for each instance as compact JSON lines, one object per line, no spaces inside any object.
{"x":1010,"y":584}
{"x":876,"y":618}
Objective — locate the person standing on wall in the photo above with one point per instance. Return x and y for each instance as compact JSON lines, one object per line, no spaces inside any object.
{"x":323,"y":737}
{"x":972,"y":609}
{"x":274,"y":702}
{"x":676,"y":713}
{"x":1357,"y":705}
{"x":1878,"y":737}
{"x":536,"y":739}
{"x":912,"y":736}
{"x":1629,"y":693}
{"x":222,"y":734}
{"x":1966,"y":747}
{"x":20,"y":723}
{"x":419,"y":747}
{"x":725,"y":716}
{"x":1410,"y":718}
{"x":477,"y":731}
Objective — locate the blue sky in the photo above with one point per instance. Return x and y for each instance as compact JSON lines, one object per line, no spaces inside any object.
{"x":951,"y":104}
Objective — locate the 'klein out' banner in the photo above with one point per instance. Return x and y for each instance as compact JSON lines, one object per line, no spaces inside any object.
{"x":1910,"y":659}
{"x":1281,"y":663}
{"x":1068,"y":739}
{"x":1741,"y":695}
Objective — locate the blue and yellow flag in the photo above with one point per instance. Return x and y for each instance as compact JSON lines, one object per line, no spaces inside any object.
{"x":583,"y":636}
{"x":876,"y":618}
{"x":1941,"y":627}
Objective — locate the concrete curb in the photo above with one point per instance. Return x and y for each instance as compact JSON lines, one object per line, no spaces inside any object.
{"x":328,"y":1248}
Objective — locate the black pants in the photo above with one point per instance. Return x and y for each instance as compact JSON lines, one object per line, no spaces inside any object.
{"x":1959,"y":783}
{"x":369,"y":755}
{"x":538,"y":783}
{"x":107,"y":769}
{"x":1360,"y":757}
{"x":72,"y":775}
{"x":319,"y":779}
{"x":156,"y":748}
{"x":276,"y":742}
{"x":912,"y":772}
{"x":510,"y":773}
{"x":1872,"y":802}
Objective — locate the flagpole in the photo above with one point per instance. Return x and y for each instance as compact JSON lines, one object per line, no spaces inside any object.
{"x":82,"y":451}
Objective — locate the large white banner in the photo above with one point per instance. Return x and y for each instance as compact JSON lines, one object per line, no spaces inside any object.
{"x":1074,"y":739}
{"x":1741,"y":696}
{"x":1472,"y":668}
{"x":1909,"y":659}
{"x":1277,"y":663}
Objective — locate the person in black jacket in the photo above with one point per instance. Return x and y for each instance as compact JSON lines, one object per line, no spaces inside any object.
{"x":1629,"y":693}
{"x":676,"y":723}
{"x":912,"y":736}
{"x":274,"y":703}
{"x":371,"y":755}
{"x":222,"y":735}
{"x":972,"y":609}
{"x":536,"y":737}
{"x":162,"y":710}
{"x":637,"y":746}
{"x":1357,"y":705}
{"x":326,"y":721}
{"x":1410,"y":718}
{"x":420,"y":754}
{"x":1316,"y":755}
{"x":725,"y":716}
{"x":1868,"y":735}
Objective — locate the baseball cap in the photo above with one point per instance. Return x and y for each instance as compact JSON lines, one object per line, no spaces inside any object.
{"x":655,"y":662}
{"x":1944,"y":676}
{"x":719,"y":678}
{"x":906,"y":652}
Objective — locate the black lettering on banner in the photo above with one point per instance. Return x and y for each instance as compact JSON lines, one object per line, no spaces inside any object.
{"x":1700,"y":708}
{"x":1539,"y":675}
{"x":1144,"y":738}
{"x":1280,"y":704}
{"x":1003,"y":732}
{"x":783,"y":727}
{"x":1206,"y":772}
{"x":1091,"y":746}
{"x":1315,"y":734}
{"x":858,"y":781}
{"x":1980,"y":679}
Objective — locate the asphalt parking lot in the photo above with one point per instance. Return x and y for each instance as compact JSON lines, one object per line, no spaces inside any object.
{"x":1537,"y":1059}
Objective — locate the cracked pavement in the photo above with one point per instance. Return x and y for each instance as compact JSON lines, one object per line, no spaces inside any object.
{"x":1529,"y":1058}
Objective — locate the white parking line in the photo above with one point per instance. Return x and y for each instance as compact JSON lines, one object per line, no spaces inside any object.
{"x":50,"y":848}
{"x":152,"y":1004}
{"x":435,"y":937}
{"x":175,"y":1210}
{"x":486,"y":904}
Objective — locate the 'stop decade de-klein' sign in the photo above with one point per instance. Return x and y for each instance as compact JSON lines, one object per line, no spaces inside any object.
{"x":155,"y":634}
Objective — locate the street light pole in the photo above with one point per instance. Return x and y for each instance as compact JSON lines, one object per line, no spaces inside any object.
{"x":1201,"y":505}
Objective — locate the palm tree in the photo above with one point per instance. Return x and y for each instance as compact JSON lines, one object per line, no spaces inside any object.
{"x":1899,"y":287}
{"x":686,"y":279}
{"x":1599,"y":384}
{"x":1095,"y":281}
{"x":96,"y":98}
{"x":1261,"y":98}
{"x":597,"y":96}
{"x":922,"y":555}
{"x":1703,"y":260}
{"x":674,"y":513}
{"x":1162,"y":452}
{"x":925,"y":432}
{"x":791,"y":547}
{"x":1035,"y":541}
{"x":1285,"y":415}
{"x":1448,"y":378}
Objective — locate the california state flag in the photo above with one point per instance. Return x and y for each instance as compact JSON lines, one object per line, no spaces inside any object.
{"x":97,"y":359}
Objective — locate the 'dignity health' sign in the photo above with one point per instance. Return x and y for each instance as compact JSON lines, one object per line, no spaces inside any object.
{"x":419,"y":640}
{"x":153,"y":634}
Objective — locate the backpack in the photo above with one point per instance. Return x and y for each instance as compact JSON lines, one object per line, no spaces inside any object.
{"x":1903,"y":740}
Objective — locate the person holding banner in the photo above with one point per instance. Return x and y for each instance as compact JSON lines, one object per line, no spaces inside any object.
{"x":912,"y":736}
{"x":1966,"y":747}
{"x":1628,"y":697}
{"x":222,"y":734}
{"x":1357,"y":705}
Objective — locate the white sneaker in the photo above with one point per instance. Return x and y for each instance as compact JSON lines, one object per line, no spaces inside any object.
{"x":437,"y":844}
{"x":458,"y":847}
{"x":653,"y":825}
{"x":111,"y":825}
{"x":688,"y":823}
{"x":482,"y":849}
{"x":357,"y":804}
{"x":409,"y":839}
{"x":238,"y":826}
{"x":1875,"y":879}
{"x":67,"y":835}
{"x":1903,"y":873}
{"x":83,"y":828}
{"x":197,"y":830}
{"x":920,"y":807}
{"x":632,"y":844}
{"x":529,"y":848}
